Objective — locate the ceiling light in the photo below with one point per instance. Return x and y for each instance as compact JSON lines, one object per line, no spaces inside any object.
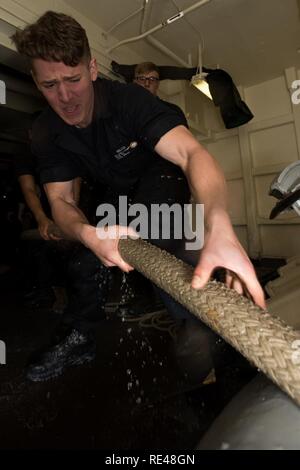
{"x":199,"y":80}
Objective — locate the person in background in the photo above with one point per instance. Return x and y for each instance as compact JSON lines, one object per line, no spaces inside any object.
{"x":43,"y":261}
{"x":34,"y":195}
{"x":146,"y":74}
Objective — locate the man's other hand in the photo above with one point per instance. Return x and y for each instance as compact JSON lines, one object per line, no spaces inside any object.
{"x":104,"y":244}
{"x":222,"y":249}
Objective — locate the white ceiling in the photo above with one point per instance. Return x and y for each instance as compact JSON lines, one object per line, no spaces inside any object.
{"x":254,"y":40}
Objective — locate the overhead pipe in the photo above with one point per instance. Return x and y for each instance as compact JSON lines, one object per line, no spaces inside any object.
{"x":154,"y":42}
{"x":165,"y":23}
{"x":137,"y":38}
{"x":132,"y":15}
{"x":157,"y":44}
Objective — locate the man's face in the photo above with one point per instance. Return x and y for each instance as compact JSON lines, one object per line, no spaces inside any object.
{"x":148,"y":80}
{"x":68,"y":90}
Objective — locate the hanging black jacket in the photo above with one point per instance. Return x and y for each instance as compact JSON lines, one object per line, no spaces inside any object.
{"x":225,"y":95}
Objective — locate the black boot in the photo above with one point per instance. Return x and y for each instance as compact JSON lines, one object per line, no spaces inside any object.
{"x":74,"y":349}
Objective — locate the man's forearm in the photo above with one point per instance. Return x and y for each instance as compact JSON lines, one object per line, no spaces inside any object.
{"x":69,"y":218}
{"x":208,"y":186}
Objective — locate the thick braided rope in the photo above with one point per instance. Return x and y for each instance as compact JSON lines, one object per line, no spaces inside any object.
{"x":263,"y":339}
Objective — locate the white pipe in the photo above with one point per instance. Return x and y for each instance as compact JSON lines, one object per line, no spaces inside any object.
{"x":200,"y":58}
{"x":154,"y":42}
{"x":146,"y":14}
{"x":136,"y":38}
{"x":124,"y":20}
{"x":145,"y":18}
{"x":160,"y":26}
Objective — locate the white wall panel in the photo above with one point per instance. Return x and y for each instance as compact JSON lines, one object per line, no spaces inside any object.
{"x":194,"y":104}
{"x":227,"y":153}
{"x":236,"y":199}
{"x":265,"y":203}
{"x":269,"y":99}
{"x":280,"y":241}
{"x":213,"y":118}
{"x":274,"y":145}
{"x":261,"y":150}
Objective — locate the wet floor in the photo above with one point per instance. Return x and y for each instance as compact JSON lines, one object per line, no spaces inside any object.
{"x":133,"y":396}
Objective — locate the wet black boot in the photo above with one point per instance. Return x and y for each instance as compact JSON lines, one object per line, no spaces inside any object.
{"x":74,"y":349}
{"x":74,"y":343}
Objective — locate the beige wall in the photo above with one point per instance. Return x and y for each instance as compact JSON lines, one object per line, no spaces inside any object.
{"x":274,"y":143}
{"x":251,"y":157}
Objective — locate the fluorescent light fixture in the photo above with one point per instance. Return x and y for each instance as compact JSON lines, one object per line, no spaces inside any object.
{"x":200,"y":82}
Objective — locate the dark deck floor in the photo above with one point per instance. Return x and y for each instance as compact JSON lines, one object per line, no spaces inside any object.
{"x":132,"y":397}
